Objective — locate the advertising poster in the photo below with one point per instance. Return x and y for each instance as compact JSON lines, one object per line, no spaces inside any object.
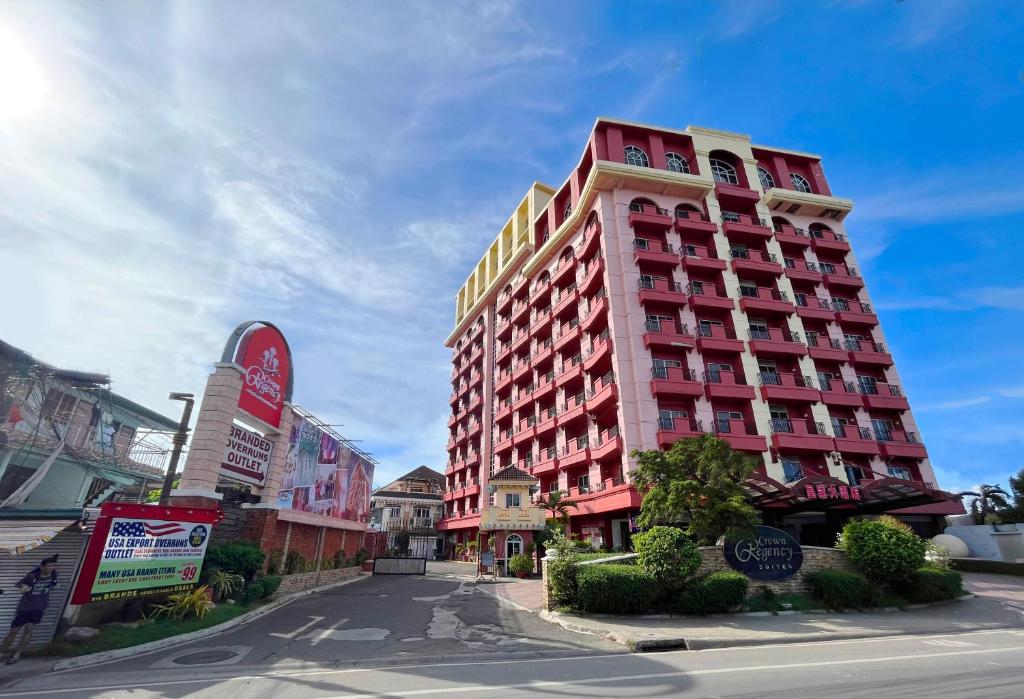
{"x":247,"y":456}
{"x":323,"y":476}
{"x":149,"y":557}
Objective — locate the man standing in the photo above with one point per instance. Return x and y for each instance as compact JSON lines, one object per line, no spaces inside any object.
{"x":35,"y":588}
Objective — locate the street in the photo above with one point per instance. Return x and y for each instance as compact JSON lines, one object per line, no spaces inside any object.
{"x":439,"y":634}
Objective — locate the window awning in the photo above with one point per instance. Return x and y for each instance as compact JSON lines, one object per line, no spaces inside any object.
{"x":827,"y":492}
{"x":21,"y":535}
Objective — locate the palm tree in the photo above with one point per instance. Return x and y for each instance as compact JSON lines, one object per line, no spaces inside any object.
{"x":987,"y":500}
{"x":558,"y":505}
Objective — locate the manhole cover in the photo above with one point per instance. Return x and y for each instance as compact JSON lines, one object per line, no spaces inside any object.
{"x":205,"y":657}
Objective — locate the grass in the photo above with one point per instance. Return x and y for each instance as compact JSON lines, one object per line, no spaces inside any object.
{"x":778,"y":603}
{"x":113,"y":636}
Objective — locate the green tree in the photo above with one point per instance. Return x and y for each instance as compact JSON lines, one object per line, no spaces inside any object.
{"x":667,"y":555}
{"x":696,"y":481}
{"x":988,"y":499}
{"x":1015,"y":512}
{"x":558,"y":504}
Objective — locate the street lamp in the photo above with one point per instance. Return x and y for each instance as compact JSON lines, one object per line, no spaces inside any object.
{"x":179,"y":441}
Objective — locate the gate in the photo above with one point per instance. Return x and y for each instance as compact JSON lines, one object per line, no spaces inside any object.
{"x":394,"y":565}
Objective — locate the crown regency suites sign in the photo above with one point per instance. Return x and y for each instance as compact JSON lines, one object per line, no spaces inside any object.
{"x":263,"y":355}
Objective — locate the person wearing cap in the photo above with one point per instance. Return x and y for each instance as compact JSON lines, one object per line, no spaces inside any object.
{"x":35,"y":597}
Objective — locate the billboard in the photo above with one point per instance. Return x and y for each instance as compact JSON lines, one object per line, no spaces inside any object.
{"x":323,"y":475}
{"x":139,"y":550}
{"x":264,"y":357}
{"x":246,"y":457}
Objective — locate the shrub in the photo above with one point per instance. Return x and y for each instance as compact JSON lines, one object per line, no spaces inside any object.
{"x":615,"y":589}
{"x":361,"y":556}
{"x":240,"y":557}
{"x":185,"y":605}
{"x":667,"y":554}
{"x":882,"y":550}
{"x":224,"y":583}
{"x":930,"y":584}
{"x":520,"y":563}
{"x":270,"y":584}
{"x":969,"y":565}
{"x":253,"y":591}
{"x":839,"y":590}
{"x":562,"y":578}
{"x":294,"y":563}
{"x":715,"y":593}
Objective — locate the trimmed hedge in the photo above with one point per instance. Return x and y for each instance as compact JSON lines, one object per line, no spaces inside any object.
{"x":615,"y":589}
{"x":970,"y":565}
{"x":599,"y":556}
{"x":882,"y":549}
{"x":667,"y":554}
{"x":715,"y":593}
{"x":839,"y":590}
{"x":930,"y":584}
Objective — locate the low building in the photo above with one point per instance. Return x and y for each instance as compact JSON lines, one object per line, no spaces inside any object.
{"x":411,"y":504}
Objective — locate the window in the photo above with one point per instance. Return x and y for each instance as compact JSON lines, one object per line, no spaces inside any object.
{"x":567,"y":211}
{"x":59,"y":406}
{"x":421,"y":512}
{"x":636,"y":156}
{"x":667,"y":418}
{"x":723,"y":420}
{"x":416,"y":489}
{"x":883,"y":429}
{"x":394,"y":511}
{"x":868,"y":385}
{"x":767,"y":181}
{"x":511,"y":499}
{"x":800,"y":184}
{"x":676,"y":163}
{"x":583,"y":483}
{"x":899,"y":472}
{"x":724,"y":172}
{"x":638,"y":206}
{"x":853,"y":474}
{"x":792,"y":470}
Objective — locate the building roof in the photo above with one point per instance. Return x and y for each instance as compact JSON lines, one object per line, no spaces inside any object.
{"x":403,"y":494}
{"x":512,"y":473}
{"x":423,"y":473}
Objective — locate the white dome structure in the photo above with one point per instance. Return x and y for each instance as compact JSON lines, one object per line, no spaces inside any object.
{"x":955,"y":545}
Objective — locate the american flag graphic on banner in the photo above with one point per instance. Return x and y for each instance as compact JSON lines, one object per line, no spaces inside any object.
{"x":141,"y":529}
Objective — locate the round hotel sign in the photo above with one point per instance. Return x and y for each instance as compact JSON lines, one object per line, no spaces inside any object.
{"x":772,"y":555}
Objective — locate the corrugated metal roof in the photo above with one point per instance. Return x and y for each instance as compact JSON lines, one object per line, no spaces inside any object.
{"x":20,"y":536}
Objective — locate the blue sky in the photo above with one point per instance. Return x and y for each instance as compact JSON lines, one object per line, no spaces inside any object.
{"x":170,"y":169}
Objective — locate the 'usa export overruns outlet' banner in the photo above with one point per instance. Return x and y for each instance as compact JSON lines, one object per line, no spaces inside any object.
{"x":144,"y":555}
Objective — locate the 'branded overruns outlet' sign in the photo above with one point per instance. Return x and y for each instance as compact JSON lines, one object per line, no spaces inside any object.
{"x":771,"y":555}
{"x":263,"y":356}
{"x":247,"y":456}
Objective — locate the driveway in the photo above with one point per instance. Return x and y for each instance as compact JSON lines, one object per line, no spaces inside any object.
{"x":374,"y":621}
{"x":1005,"y":589}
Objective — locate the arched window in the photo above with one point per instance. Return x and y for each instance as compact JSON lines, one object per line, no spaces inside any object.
{"x":567,"y":254}
{"x":767,"y":181}
{"x":567,"y":211}
{"x":778,"y":222}
{"x":723,"y":172}
{"x":800,"y":184}
{"x":638,"y":205}
{"x":636,"y":156}
{"x":676,"y":163}
{"x":688,"y":211}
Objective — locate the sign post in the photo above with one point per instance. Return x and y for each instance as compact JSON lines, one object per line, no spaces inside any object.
{"x":771,"y":555}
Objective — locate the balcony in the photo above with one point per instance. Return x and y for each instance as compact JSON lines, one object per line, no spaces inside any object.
{"x":545,"y":386}
{"x":851,"y":439}
{"x":740,"y":435}
{"x":719,"y":383}
{"x":841,"y":277}
{"x":602,"y":397}
{"x":868,"y":352}
{"x":504,"y":442}
{"x":776,"y":342}
{"x":802,"y":270}
{"x":666,"y":333}
{"x":593,"y":276}
{"x":649,"y":218}
{"x":764,"y":300}
{"x":671,"y":381}
{"x":547,"y":422}
{"x":693,"y":222}
{"x":609,"y":445}
{"x":828,"y":240}
{"x":590,"y":241}
{"x":572,"y":410}
{"x":654,"y":252}
{"x":837,"y":392}
{"x":576,"y":453}
{"x":473,"y":459}
{"x":813,"y":308}
{"x":504,"y":410}
{"x":564,"y":301}
{"x":566,"y":270}
{"x":474,"y":429}
{"x":569,"y":373}
{"x":600,"y":351}
{"x":520,"y":339}
{"x":566,"y":336}
{"x":521,"y":370}
{"x":672,"y":429}
{"x":523,"y":399}
{"x":543,"y":352}
{"x":884,"y":396}
{"x":520,"y":313}
{"x":798,"y":435}
{"x":456,"y":466}
{"x":595,"y":313}
{"x":754,"y":263}
{"x":900,"y":444}
{"x":540,"y":322}
{"x":854,"y":312}
{"x":717,"y":338}
{"x":744,"y":228}
{"x":707,"y":296}
{"x":526,"y":432}
{"x":540,"y":291}
{"x":788,"y":235}
{"x":698,"y":257}
{"x":658,"y":290}
{"x":826,"y":348}
{"x":548,"y":462}
{"x":788,"y":387}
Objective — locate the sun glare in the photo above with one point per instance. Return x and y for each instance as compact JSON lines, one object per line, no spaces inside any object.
{"x":22,"y":86}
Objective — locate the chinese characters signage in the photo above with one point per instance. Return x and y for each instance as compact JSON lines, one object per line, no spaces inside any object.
{"x":772,"y":555}
{"x":832,"y":492}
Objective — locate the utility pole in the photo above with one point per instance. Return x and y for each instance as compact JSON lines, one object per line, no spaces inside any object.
{"x":179,"y":441}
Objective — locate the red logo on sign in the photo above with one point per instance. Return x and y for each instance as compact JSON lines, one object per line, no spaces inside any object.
{"x":263,"y":355}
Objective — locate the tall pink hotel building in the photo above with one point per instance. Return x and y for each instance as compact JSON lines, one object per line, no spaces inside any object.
{"x":679,"y":283}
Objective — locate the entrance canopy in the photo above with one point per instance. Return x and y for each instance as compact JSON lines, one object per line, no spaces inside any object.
{"x":820,"y":493}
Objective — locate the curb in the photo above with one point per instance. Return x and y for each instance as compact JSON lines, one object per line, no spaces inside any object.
{"x":171,"y":641}
{"x":664,"y":643}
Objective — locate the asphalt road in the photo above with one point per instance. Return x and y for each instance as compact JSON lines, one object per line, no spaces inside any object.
{"x":435,"y":636}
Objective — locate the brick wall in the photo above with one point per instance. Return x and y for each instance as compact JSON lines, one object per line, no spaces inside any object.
{"x":304,"y":581}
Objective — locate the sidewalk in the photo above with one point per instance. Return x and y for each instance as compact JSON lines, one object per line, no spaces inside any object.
{"x":527,"y":593}
{"x":661,"y":633}
{"x":1005,"y":589}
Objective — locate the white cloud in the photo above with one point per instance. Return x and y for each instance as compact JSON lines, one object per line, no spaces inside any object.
{"x":953,"y":404}
{"x":963,"y":301}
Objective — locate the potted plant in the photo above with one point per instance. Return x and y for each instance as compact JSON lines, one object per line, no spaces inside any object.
{"x":471,"y":550}
{"x":459,"y":548}
{"x":520,"y":565}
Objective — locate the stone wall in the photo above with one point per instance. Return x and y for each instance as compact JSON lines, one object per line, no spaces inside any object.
{"x":304,"y":581}
{"x":815,"y":558}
